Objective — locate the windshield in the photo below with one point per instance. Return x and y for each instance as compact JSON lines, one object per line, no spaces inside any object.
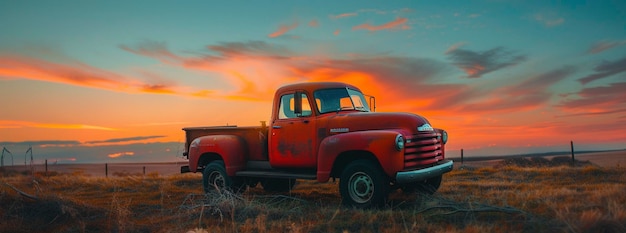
{"x":338,"y":99}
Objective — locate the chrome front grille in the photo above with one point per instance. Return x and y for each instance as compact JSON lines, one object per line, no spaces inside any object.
{"x":422,"y":150}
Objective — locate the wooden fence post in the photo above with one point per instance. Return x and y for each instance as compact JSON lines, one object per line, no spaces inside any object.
{"x":572,"y":148}
{"x":106,"y":170}
{"x":461,"y":156}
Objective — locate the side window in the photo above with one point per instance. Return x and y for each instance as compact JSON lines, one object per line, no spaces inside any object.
{"x":306,"y":106}
{"x":345,"y":103}
{"x":287,"y":107}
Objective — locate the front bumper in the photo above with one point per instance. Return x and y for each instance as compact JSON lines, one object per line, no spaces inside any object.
{"x":425,"y":173}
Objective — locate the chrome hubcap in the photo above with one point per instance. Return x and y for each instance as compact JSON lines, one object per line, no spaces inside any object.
{"x":360,"y":187}
{"x":216,"y":179}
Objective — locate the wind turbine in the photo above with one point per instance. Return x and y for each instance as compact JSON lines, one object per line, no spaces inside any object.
{"x":30,"y":149}
{"x":2,"y":156}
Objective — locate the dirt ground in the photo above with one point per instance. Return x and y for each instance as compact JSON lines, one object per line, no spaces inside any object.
{"x":605,"y":159}
{"x":602,"y":159}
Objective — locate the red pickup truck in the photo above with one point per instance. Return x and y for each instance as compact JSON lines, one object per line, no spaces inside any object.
{"x":320,"y":131}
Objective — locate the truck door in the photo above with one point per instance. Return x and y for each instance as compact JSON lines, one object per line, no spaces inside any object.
{"x":292,"y":140}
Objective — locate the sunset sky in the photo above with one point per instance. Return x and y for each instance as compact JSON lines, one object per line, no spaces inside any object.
{"x":115,"y":81}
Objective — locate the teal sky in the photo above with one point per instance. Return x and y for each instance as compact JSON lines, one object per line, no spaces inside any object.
{"x":501,"y":76}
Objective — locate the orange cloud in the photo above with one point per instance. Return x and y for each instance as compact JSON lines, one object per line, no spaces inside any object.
{"x":527,"y":94}
{"x":56,"y":160}
{"x":253,"y":67}
{"x":163,"y":123}
{"x":57,"y":145}
{"x":344,"y":15}
{"x":157,"y":89}
{"x":79,"y":74}
{"x":454,"y":47}
{"x":604,"y":70}
{"x":398,"y":23}
{"x":120,"y":154}
{"x":597,"y":100}
{"x":473,"y":70}
{"x":153,"y":49}
{"x":129,"y":139}
{"x":203,"y":93}
{"x":283,"y":29}
{"x":604,"y":45}
{"x":7,"y":124}
{"x":314,"y":23}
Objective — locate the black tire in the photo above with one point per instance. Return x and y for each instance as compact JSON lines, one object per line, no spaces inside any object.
{"x":429,"y":186}
{"x":278,"y":185}
{"x":363,"y":184}
{"x":215,"y":178}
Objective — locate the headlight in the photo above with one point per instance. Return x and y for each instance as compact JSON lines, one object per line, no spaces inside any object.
{"x":444,"y":136}
{"x":399,"y":142}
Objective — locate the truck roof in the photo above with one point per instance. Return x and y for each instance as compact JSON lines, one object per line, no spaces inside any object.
{"x":312,"y":86}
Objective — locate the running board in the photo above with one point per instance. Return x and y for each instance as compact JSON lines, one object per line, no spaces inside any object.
{"x":276,"y":174}
{"x":259,"y":165}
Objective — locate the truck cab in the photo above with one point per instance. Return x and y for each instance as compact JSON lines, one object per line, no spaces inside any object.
{"x":320,"y":131}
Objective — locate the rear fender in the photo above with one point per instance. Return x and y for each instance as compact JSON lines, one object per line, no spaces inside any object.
{"x":231,"y":148}
{"x":381,"y":143}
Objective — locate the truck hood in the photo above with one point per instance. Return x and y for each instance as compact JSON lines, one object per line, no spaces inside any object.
{"x":343,"y":122}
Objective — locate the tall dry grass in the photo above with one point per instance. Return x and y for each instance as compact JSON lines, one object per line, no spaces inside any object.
{"x":504,"y":198}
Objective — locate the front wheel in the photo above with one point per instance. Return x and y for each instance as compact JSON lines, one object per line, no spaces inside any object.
{"x":215,"y":178}
{"x":363,"y":185}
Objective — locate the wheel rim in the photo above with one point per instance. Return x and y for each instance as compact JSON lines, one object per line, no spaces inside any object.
{"x":360,"y":187}
{"x":216,"y":179}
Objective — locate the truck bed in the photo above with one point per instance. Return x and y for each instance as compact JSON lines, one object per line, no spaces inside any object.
{"x":254,"y":136}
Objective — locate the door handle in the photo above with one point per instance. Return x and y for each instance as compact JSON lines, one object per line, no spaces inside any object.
{"x":276,"y":126}
{"x":305,"y":121}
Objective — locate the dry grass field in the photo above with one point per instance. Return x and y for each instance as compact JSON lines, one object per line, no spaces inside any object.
{"x":516,"y":195}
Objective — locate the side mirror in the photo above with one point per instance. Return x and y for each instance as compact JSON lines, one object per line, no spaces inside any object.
{"x":372,"y":102}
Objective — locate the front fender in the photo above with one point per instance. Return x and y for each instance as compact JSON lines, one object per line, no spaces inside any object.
{"x":381,"y":143}
{"x":231,"y":148}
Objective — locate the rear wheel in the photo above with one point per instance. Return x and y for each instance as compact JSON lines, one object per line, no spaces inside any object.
{"x":363,"y":185}
{"x":215,"y":178}
{"x":278,"y":185}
